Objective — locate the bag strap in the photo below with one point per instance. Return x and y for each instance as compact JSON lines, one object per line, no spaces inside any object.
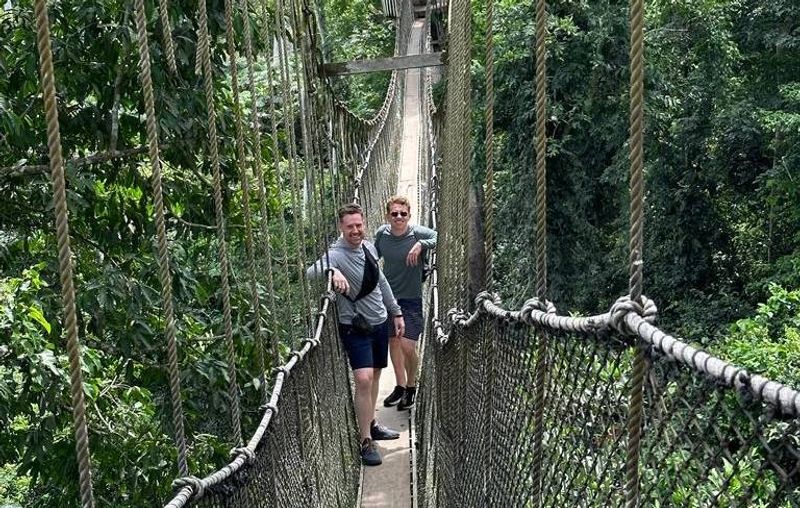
{"x":378,"y":235}
{"x":371,"y":275}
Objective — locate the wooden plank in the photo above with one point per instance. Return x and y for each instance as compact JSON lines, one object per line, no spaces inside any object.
{"x":440,"y":7}
{"x":383,"y":64}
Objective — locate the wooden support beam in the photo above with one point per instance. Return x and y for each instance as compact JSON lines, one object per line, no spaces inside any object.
{"x":383,"y":64}
{"x":439,"y":7}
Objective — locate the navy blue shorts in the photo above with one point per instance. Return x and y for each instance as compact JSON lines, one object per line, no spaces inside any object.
{"x":365,"y":351}
{"x":412,"y":315}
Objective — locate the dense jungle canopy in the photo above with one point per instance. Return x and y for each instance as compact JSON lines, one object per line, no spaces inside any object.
{"x":722,"y":248}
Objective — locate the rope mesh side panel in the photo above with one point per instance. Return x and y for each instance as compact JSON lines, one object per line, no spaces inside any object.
{"x":305,"y":451}
{"x":280,"y":474}
{"x":713,"y":435}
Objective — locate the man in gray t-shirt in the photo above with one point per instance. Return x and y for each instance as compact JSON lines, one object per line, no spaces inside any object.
{"x":353,"y":262}
{"x":401,"y":246}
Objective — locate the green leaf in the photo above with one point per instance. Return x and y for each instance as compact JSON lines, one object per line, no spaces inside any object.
{"x":36,"y":314}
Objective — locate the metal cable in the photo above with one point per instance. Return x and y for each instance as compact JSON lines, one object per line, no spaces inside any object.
{"x":233,"y":389}
{"x":64,"y":251}
{"x":164,"y":275}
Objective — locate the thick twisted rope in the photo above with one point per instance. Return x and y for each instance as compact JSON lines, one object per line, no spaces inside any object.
{"x":233,"y":389}
{"x":164,"y":276}
{"x":258,"y":171}
{"x":276,"y":159}
{"x":64,"y":251}
{"x":634,"y":424}
{"x":541,"y":246}
{"x":489,"y":146}
{"x":166,"y":33}
{"x":245,"y":184}
{"x":287,"y":108}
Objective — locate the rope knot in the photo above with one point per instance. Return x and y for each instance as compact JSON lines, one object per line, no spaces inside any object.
{"x":482,"y":298}
{"x":281,"y":368}
{"x":271,"y":407}
{"x":534,"y":304}
{"x":193,"y":482}
{"x":646,"y":310}
{"x":249,"y":455}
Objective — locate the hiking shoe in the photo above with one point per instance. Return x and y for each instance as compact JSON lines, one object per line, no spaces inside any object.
{"x":382,"y":433}
{"x":408,"y":399}
{"x":395,"y":397}
{"x":369,"y":453}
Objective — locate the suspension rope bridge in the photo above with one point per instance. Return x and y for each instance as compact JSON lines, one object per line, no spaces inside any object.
{"x":517,"y":407}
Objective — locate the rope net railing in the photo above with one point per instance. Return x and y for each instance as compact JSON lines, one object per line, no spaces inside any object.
{"x":527,"y":407}
{"x":712,"y":434}
{"x":251,"y":364}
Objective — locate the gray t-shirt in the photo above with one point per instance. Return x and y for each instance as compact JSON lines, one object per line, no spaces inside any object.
{"x":406,"y":281}
{"x":350,"y":262}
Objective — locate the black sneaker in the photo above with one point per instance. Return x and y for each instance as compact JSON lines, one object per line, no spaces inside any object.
{"x":382,"y":433}
{"x":408,"y":399}
{"x":394,"y":397}
{"x":369,"y":453}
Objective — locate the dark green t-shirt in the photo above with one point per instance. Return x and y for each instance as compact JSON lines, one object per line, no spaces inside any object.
{"x":405,"y":281}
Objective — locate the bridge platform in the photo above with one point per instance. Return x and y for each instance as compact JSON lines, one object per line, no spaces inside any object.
{"x":390,"y":485}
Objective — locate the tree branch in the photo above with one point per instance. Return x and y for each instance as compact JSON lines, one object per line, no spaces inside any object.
{"x":35,"y":169}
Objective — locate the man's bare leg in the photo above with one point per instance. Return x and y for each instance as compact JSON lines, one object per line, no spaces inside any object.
{"x":410,"y":359}
{"x":364,"y":399}
{"x":398,"y":362}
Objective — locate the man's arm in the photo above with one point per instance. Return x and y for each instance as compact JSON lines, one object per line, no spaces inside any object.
{"x":425,"y":236}
{"x":320,"y":266}
{"x":395,"y":312}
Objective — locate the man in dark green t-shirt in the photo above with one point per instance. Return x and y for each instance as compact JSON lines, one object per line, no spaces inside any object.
{"x":401,"y":246}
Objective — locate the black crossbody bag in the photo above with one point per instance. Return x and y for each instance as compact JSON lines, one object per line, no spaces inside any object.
{"x":368,"y":283}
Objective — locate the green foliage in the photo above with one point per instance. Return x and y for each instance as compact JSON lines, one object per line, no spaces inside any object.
{"x":120,"y":322}
{"x":356,"y":30}
{"x":769,"y":342}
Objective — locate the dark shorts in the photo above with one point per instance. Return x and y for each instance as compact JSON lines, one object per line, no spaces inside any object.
{"x":365,"y":351}
{"x":412,"y":315}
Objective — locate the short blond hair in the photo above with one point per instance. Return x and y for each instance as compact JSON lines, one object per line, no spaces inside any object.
{"x":397,"y":200}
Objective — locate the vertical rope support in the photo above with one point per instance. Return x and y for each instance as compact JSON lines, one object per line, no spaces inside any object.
{"x":266,"y":246}
{"x":635,"y":410}
{"x":489,"y":146}
{"x":245,"y":185}
{"x":489,"y":249}
{"x":166,"y":33}
{"x":457,"y":153}
{"x":541,"y":246}
{"x":288,"y":116}
{"x":276,"y":159}
{"x":165,"y":278}
{"x":233,"y":390}
{"x":64,"y":252}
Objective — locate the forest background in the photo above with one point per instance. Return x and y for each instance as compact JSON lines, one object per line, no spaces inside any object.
{"x":722,"y":248}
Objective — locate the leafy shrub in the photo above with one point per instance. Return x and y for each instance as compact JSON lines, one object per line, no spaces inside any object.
{"x":769,"y":342}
